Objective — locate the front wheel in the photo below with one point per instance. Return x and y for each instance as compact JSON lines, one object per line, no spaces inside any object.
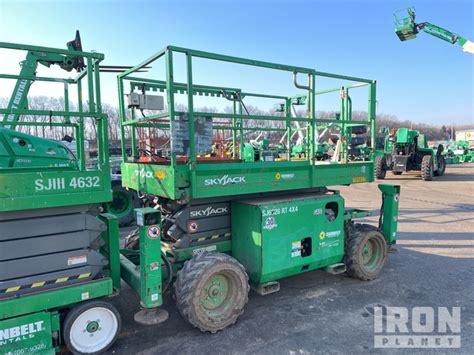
{"x":366,"y":251}
{"x":380,"y":167}
{"x":211,"y":291}
{"x":441,"y":166}
{"x":427,"y":168}
{"x":91,"y":327}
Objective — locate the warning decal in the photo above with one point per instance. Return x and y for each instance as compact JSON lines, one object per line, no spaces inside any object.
{"x":76,"y":260}
{"x":153,"y":232}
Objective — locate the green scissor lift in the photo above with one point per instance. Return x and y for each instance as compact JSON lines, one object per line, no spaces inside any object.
{"x":58,"y":255}
{"x":225,"y":220}
{"x":212,"y":227}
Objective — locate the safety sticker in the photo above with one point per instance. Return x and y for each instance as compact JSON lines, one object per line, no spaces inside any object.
{"x":270,"y":223}
{"x":76,"y":260}
{"x":154,"y":266}
{"x":333,"y":234}
{"x":202,"y":250}
{"x":153,"y":232}
{"x":295,"y":249}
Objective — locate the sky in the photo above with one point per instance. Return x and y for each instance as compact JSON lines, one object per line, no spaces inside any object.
{"x":425,"y":80}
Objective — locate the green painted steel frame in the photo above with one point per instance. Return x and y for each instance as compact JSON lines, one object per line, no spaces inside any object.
{"x":315,"y":172}
{"x":18,"y":191}
{"x":57,"y":298}
{"x":145,"y":278}
{"x":390,"y":204}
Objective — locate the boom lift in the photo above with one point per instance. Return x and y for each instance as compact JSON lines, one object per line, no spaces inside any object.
{"x":406,"y":28}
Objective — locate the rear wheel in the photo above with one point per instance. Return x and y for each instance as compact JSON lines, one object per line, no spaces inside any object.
{"x":91,"y":327}
{"x":380,"y":167}
{"x":427,"y":168}
{"x":441,"y":166}
{"x":366,"y":251}
{"x":211,"y":291}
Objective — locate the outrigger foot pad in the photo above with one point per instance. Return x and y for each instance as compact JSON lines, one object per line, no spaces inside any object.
{"x":151,"y":316}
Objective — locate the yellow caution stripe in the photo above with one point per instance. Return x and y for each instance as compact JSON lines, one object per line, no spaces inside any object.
{"x":45,"y":283}
{"x":212,"y":237}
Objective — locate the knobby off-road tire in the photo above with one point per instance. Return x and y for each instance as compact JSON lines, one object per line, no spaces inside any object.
{"x":427,"y":168}
{"x":365,"y":251}
{"x":380,"y":167}
{"x":211,"y":291}
{"x":441,"y":166}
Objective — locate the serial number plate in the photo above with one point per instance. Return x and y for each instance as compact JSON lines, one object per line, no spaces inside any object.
{"x":75,"y":183}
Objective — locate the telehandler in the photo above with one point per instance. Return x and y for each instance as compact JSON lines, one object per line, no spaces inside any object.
{"x":406,"y":150}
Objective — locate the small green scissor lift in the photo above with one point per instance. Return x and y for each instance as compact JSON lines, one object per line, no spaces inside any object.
{"x":58,"y":257}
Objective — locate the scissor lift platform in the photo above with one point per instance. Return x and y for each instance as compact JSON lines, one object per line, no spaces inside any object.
{"x":188,"y":175}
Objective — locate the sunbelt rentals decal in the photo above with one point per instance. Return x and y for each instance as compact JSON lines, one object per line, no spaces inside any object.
{"x":225,"y":180}
{"x":20,"y":332}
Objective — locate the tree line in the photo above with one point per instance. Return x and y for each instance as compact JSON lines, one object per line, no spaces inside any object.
{"x":432,"y":132}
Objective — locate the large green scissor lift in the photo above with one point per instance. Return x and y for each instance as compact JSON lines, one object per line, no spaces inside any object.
{"x":223,"y":219}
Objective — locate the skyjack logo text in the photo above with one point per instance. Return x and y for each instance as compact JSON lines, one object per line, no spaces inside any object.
{"x":225,"y":180}
{"x":209,"y":211}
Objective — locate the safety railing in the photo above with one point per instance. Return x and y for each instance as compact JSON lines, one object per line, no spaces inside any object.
{"x":88,"y":79}
{"x":131,"y":123}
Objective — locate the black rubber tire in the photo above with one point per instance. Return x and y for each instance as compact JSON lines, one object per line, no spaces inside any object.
{"x":75,"y":312}
{"x":190,"y":283}
{"x":380,"y":167}
{"x":441,"y":166}
{"x":357,"y":235}
{"x":397,"y":173}
{"x":427,"y":168}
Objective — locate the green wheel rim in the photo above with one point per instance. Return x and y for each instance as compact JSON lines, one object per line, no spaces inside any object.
{"x":217,"y":294}
{"x":371,"y":254}
{"x":92,"y":327}
{"x":121,"y":204}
